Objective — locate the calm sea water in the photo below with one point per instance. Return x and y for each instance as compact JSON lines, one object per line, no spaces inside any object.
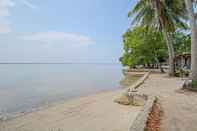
{"x":27,"y":86}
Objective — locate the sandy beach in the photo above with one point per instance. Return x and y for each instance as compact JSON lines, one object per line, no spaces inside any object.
{"x":96,"y":112}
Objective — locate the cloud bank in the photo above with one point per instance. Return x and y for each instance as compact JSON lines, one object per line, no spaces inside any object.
{"x":41,"y":46}
{"x":5,"y":6}
{"x":59,"y":37}
{"x":28,"y":4}
{"x":44,"y":37}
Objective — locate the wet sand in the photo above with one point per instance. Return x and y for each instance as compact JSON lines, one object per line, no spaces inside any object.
{"x":96,"y":112}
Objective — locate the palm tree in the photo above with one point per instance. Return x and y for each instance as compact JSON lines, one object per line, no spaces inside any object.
{"x":192,"y":18}
{"x":164,"y":15}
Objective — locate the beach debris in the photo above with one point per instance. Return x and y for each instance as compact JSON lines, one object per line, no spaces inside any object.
{"x":3,"y":117}
{"x":154,"y":118}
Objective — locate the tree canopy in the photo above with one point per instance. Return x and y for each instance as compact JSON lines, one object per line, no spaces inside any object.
{"x":181,"y":42}
{"x":143,"y":47}
{"x":147,"y":47}
{"x":162,"y":15}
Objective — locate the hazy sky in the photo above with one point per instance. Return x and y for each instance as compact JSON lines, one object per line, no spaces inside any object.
{"x":62,"y":30}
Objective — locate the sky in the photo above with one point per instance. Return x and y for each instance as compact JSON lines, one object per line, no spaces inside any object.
{"x":63,"y":30}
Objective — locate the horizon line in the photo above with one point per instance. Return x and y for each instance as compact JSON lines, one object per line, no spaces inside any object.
{"x":58,"y":63}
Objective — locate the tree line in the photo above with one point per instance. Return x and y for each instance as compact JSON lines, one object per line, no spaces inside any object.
{"x":159,"y":30}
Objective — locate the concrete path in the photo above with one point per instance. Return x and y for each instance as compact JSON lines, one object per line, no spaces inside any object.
{"x":180,"y":107}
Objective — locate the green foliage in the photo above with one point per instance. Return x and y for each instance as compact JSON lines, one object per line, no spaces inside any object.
{"x":143,"y":47}
{"x":180,"y":72}
{"x":181,"y":42}
{"x":159,"y":14}
{"x":194,"y":83}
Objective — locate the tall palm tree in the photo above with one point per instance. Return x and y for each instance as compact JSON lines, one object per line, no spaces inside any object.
{"x":164,"y":15}
{"x":193,"y":24}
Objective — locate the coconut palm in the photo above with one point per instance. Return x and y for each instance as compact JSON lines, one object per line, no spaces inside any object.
{"x":192,"y":18}
{"x":164,"y":15}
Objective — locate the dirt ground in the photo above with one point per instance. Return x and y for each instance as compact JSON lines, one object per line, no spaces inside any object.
{"x":180,"y":107}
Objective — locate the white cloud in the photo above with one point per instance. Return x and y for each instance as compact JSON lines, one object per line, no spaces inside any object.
{"x":59,"y":37}
{"x":4,"y":26}
{"x":28,"y":4}
{"x":5,"y":6}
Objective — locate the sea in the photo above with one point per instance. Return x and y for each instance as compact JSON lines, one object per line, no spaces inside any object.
{"x":28,"y":86}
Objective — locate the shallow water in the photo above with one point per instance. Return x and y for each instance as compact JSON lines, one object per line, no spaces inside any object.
{"x":27,"y":86}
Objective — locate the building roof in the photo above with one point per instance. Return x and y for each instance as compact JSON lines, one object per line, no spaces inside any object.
{"x":183,"y":55}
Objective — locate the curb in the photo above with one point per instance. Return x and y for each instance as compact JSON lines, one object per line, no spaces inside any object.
{"x":141,"y":70}
{"x":140,"y":122}
{"x":139,"y":82}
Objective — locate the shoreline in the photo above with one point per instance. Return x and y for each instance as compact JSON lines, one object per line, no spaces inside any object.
{"x":75,"y":111}
{"x":93,"y":111}
{"x":14,"y":115}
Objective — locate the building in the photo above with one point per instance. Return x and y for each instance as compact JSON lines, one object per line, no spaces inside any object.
{"x":183,"y":61}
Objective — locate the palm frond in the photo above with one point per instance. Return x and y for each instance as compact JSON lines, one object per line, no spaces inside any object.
{"x":158,"y":13}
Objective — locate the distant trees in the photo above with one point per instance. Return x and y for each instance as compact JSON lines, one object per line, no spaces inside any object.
{"x":181,"y":42}
{"x":165,"y":16}
{"x":143,"y":47}
{"x":146,"y":47}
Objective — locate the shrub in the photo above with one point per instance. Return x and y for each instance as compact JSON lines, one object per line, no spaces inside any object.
{"x":182,"y":72}
{"x":194,"y":83}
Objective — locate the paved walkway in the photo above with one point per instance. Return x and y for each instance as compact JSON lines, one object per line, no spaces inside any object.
{"x":180,"y":107}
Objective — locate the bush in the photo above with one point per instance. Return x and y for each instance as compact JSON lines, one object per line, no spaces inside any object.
{"x":194,"y":83}
{"x":182,"y":73}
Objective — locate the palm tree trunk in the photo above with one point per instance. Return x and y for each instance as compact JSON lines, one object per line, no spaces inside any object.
{"x":168,"y":40}
{"x":170,"y":53}
{"x":159,"y":65}
{"x":193,"y":25}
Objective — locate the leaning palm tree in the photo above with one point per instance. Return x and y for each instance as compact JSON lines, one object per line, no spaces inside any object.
{"x":192,"y":18}
{"x":164,"y":15}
